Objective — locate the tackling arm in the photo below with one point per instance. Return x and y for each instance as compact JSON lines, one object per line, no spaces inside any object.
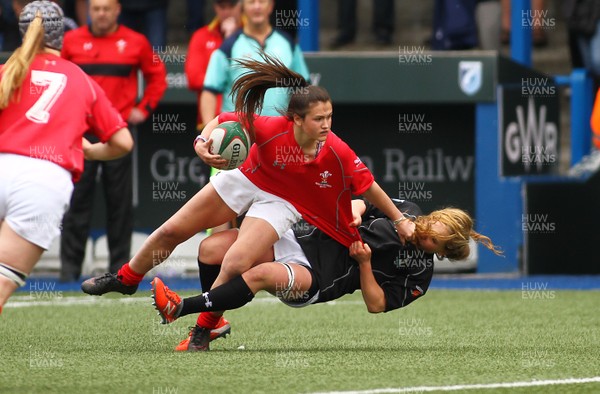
{"x":372,"y":293}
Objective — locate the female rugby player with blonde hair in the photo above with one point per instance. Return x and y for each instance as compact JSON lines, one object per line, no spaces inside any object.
{"x":315,"y":268}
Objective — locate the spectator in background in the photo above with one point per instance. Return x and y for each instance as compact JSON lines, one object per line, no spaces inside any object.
{"x":148,"y":17}
{"x":257,"y":34}
{"x":454,"y":26}
{"x":204,"y":42}
{"x":583,"y":23}
{"x":383,"y":22}
{"x":111,"y":54}
{"x":595,"y":122}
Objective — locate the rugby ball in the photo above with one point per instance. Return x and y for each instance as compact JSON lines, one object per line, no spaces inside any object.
{"x":232,"y":142}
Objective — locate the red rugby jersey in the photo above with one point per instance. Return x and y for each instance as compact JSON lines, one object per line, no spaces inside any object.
{"x":113,"y":62}
{"x":58,"y":104}
{"x":321,"y":190}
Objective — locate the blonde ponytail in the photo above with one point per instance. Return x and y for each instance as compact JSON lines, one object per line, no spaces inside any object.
{"x":17,"y":66}
{"x":460,"y":227}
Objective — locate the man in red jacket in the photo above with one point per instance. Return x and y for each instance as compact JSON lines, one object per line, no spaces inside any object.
{"x":202,"y":44}
{"x":111,"y":54}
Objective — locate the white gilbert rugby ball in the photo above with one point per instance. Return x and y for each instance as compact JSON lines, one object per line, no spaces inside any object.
{"x":232,"y":142}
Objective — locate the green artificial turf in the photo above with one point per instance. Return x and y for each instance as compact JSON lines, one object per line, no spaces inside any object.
{"x":446,"y":338}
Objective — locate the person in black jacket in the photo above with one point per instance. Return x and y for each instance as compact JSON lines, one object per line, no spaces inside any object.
{"x":307,"y":266}
{"x":583,"y":28}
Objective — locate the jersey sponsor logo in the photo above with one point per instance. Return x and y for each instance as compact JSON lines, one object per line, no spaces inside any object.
{"x":324,"y":175}
{"x":211,"y":44}
{"x":357,"y":161}
{"x":121,"y":45}
{"x":470,"y":76}
{"x":87,"y":46}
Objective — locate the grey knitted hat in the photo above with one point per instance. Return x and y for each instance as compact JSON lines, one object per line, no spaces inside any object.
{"x":52,"y":16}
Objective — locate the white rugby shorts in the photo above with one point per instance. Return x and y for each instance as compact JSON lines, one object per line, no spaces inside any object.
{"x":34,"y":196}
{"x":243,"y":196}
{"x":287,"y":250}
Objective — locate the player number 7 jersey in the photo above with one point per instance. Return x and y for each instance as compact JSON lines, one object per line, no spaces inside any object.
{"x":52,"y":85}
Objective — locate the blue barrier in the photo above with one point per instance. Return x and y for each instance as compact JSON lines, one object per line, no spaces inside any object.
{"x":497,"y":199}
{"x":520,"y":32}
{"x":582,"y":96}
{"x":308,"y":36}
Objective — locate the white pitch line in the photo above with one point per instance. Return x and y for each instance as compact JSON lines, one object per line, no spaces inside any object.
{"x":56,"y":299}
{"x":421,"y":389}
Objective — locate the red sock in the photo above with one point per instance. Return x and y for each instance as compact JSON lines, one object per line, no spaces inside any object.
{"x":208,"y":320}
{"x":128,"y":276}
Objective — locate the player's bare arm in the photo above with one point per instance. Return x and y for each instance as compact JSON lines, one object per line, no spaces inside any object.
{"x":376,"y":196}
{"x":372,"y":293}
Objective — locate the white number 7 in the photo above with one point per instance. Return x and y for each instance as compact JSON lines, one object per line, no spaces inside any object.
{"x":54,"y":84}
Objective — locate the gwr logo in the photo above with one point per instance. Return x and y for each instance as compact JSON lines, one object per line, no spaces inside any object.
{"x":530,"y":132}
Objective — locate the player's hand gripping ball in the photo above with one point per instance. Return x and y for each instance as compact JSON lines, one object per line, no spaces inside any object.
{"x":231,"y":142}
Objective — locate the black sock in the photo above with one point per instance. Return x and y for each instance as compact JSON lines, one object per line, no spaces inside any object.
{"x":230,"y":295}
{"x":208,"y":274}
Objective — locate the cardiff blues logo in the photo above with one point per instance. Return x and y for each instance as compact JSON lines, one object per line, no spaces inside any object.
{"x":470,"y":76}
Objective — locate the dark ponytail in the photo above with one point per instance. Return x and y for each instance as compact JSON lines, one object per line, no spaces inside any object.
{"x":250,"y":88}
